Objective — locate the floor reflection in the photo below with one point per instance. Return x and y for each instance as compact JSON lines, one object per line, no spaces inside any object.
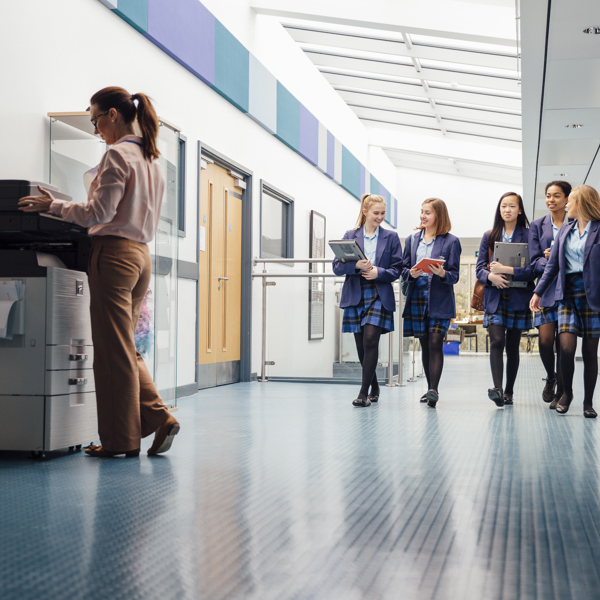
{"x":287,"y":491}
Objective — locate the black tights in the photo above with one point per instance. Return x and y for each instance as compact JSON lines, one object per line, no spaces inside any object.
{"x":589,"y":350}
{"x":499,"y":338}
{"x":548,"y":335}
{"x":433,"y":358}
{"x":367,"y":345}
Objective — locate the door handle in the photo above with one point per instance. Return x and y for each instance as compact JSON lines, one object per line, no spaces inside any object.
{"x":78,"y":357}
{"x":223,"y":278}
{"x":78,"y":381}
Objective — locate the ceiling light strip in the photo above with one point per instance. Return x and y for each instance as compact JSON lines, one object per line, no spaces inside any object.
{"x":389,"y":40}
{"x":408,"y":64}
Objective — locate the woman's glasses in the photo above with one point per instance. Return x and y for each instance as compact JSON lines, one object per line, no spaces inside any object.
{"x":95,"y":119}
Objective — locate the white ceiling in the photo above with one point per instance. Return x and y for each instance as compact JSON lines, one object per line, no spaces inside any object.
{"x":568,"y":93}
{"x":448,"y":82}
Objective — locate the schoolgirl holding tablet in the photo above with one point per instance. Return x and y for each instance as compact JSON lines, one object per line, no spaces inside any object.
{"x":430,"y":297}
{"x":575,"y":264}
{"x":542,"y":233}
{"x":506,"y":308}
{"x":368,"y":297}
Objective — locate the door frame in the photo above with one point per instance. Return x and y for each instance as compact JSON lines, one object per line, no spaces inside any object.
{"x":247,"y":262}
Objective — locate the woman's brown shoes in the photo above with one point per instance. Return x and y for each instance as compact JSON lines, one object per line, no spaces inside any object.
{"x":99,"y":452}
{"x":163,"y":438}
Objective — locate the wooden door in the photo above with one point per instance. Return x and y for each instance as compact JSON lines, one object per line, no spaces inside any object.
{"x":220,"y":289}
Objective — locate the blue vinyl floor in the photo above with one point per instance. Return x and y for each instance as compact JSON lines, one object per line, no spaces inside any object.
{"x":286,"y":491}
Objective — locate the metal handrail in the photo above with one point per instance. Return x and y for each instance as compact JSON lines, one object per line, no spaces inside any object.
{"x":264,"y":276}
{"x":290,"y":261}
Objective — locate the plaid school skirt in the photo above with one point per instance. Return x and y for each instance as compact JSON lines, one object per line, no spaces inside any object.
{"x":416,"y":321}
{"x":507,"y":317}
{"x":546,"y":315}
{"x":369,"y":311}
{"x":574,"y":312}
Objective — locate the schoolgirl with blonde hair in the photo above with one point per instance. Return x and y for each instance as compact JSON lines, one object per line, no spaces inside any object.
{"x":368,"y":297}
{"x":575,"y":264}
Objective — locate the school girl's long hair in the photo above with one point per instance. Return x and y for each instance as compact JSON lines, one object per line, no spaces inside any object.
{"x":522,"y":219}
{"x":124,"y":103}
{"x":587,"y":202}
{"x":366,"y":202}
{"x":442,"y":218}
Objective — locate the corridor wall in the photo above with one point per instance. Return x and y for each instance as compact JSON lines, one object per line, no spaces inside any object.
{"x":75,"y":47}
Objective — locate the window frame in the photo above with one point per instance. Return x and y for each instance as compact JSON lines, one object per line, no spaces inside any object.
{"x":181,"y":186}
{"x":287,"y":225}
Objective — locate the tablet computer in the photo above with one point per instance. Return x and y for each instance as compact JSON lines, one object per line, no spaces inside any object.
{"x":512,"y":254}
{"x":347,"y":250}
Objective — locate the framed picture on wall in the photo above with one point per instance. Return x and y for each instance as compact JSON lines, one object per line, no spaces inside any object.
{"x":316,"y":285}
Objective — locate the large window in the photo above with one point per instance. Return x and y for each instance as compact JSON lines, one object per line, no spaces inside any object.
{"x":276,"y":223}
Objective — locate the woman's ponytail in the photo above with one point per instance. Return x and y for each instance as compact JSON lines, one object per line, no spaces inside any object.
{"x":366,"y":202}
{"x":148,"y":124}
{"x":121,"y":100}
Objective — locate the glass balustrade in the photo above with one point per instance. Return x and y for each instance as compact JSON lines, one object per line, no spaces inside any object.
{"x":74,"y":154}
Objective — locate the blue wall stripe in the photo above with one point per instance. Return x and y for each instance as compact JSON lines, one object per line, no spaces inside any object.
{"x":232,"y":68}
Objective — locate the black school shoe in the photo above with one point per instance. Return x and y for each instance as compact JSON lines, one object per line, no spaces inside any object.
{"x":508,"y":399}
{"x":361,"y":402}
{"x":548,"y":393}
{"x":423,"y":398}
{"x":495,"y":395}
{"x":555,"y":401}
{"x":432,"y":398}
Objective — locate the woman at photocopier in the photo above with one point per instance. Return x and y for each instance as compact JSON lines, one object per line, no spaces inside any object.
{"x":122,"y":214}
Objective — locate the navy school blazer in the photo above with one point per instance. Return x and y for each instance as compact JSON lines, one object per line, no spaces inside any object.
{"x":441,"y":291}
{"x":556,"y":267}
{"x":388,"y":260}
{"x":519,"y":297}
{"x":541,"y":238}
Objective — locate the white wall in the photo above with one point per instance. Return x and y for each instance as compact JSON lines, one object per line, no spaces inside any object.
{"x":75,"y":47}
{"x":471,"y":202}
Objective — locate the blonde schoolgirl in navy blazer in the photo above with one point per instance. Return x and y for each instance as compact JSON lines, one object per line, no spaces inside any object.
{"x":367,"y":296}
{"x":575,"y":266}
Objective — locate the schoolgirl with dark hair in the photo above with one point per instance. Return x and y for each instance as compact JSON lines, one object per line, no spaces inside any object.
{"x":506,"y":308}
{"x":368,"y":297}
{"x":574,"y":267}
{"x":430,"y":300}
{"x":122,"y":214}
{"x":542,"y":234}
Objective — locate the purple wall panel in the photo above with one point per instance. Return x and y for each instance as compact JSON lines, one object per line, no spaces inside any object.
{"x":309,"y":136}
{"x":186,"y":31}
{"x":330,"y":155}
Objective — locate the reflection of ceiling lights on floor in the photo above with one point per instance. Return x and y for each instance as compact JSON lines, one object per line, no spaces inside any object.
{"x":590,"y":30}
{"x":574,"y":126}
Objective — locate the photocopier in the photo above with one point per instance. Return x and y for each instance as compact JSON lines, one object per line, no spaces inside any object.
{"x":47,"y":397}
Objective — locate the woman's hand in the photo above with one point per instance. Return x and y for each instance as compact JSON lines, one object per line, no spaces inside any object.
{"x":363,"y":265}
{"x":534,"y":304}
{"x":438,"y":270}
{"x":414,"y":272}
{"x":37,"y":203}
{"x":499,"y":268}
{"x":371,"y":273}
{"x":547,"y":253}
{"x":498,"y":280}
